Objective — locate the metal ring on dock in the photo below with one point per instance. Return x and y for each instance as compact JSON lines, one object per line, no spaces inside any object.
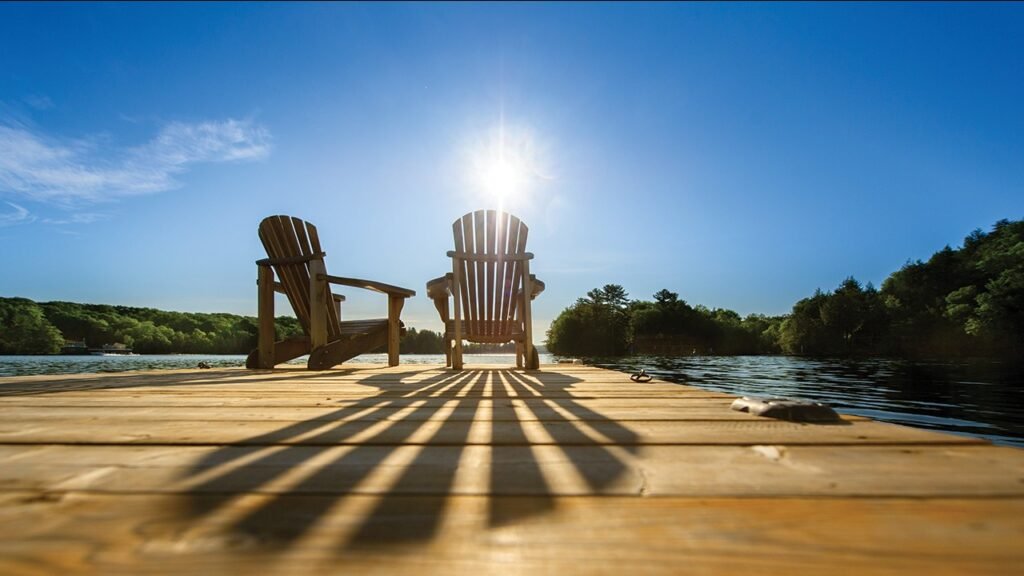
{"x":641,"y":376}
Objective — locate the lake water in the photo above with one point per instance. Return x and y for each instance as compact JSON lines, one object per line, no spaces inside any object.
{"x":983,"y":399}
{"x":28,"y":365}
{"x":980,"y":398}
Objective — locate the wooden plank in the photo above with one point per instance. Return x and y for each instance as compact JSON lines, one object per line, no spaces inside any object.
{"x":318,"y":304}
{"x":99,"y":533}
{"x":265,"y":316}
{"x":317,"y":390}
{"x":436,"y":430}
{"x":420,"y":470}
{"x":469,"y":296}
{"x":334,"y":313}
{"x":512,"y":223}
{"x":349,"y":378}
{"x":282,"y":398}
{"x":490,"y":288}
{"x":629,"y":408}
{"x":395,"y":305}
{"x":391,"y":409}
{"x":501,"y":243}
{"x":480,"y":272}
{"x":562,"y":369}
{"x":350,"y":373}
{"x":516,"y":272}
{"x":692,"y":471}
{"x":459,"y":299}
{"x":304,"y":388}
{"x":530,"y":360}
{"x":319,"y":291}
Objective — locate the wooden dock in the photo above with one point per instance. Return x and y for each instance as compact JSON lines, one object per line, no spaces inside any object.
{"x":421,"y":470}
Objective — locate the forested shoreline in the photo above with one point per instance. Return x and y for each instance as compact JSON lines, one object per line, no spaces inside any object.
{"x":28,"y":327}
{"x":964,"y":302}
{"x":44,"y":327}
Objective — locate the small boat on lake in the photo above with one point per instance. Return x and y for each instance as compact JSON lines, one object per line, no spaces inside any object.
{"x":73,"y":348}
{"x":79,"y":348}
{"x":111,"y":350}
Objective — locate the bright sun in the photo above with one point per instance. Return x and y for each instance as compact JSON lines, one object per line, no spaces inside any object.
{"x":506,"y":165}
{"x":502,"y":178}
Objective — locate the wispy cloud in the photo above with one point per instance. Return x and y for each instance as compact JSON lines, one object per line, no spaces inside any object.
{"x":80,"y":218}
{"x":66,"y":172}
{"x":38,"y":101}
{"x":18,"y":216}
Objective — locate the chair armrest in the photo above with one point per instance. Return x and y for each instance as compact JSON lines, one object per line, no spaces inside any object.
{"x":538,"y":286}
{"x":490,"y":257}
{"x":371,"y":285}
{"x":291,"y":259}
{"x":440,"y":288}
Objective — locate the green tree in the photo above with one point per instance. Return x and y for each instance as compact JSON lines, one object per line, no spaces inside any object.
{"x":595,"y":326}
{"x":25,"y":330}
{"x":611,"y":294}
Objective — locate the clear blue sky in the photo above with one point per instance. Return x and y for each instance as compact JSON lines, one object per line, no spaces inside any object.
{"x":740,"y":155}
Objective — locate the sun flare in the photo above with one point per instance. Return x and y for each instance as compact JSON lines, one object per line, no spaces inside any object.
{"x":506,"y":166}
{"x":502,"y":178}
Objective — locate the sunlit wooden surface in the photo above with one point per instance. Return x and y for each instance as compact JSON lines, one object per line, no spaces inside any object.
{"x":418,"y":469}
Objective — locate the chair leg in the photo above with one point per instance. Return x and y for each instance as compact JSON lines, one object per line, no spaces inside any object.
{"x":265,"y":300}
{"x":448,"y":352}
{"x":457,"y":355}
{"x":456,"y":300}
{"x":528,"y":349}
{"x":395,"y":305}
{"x":318,"y":290}
{"x":519,"y":354}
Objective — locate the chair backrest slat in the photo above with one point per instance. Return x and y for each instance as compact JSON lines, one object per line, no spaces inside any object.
{"x":500,"y":274}
{"x":470,"y":239}
{"x":288,"y":237}
{"x":458,"y":228}
{"x":489,"y":315}
{"x":506,"y":275}
{"x":479,"y":248}
{"x":514,"y":314}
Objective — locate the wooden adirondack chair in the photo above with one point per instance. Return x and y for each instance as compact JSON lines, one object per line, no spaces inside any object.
{"x":490,"y":276}
{"x":295,"y":257}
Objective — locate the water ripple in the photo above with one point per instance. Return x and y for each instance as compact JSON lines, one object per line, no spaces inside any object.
{"x":982,"y":399}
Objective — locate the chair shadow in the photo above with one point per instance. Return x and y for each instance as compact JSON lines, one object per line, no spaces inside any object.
{"x":127,"y":379}
{"x":408,"y":448}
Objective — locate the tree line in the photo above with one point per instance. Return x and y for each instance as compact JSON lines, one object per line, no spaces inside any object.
{"x":607,"y":323}
{"x":961,"y":302}
{"x":28,"y":327}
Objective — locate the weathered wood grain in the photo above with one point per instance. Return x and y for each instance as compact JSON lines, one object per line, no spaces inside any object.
{"x":518,"y":410}
{"x":784,"y":471}
{"x":145,"y":534}
{"x":417,"y":469}
{"x":551,"y":429}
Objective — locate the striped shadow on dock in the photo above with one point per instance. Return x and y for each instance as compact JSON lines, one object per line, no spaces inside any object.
{"x":569,"y":469}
